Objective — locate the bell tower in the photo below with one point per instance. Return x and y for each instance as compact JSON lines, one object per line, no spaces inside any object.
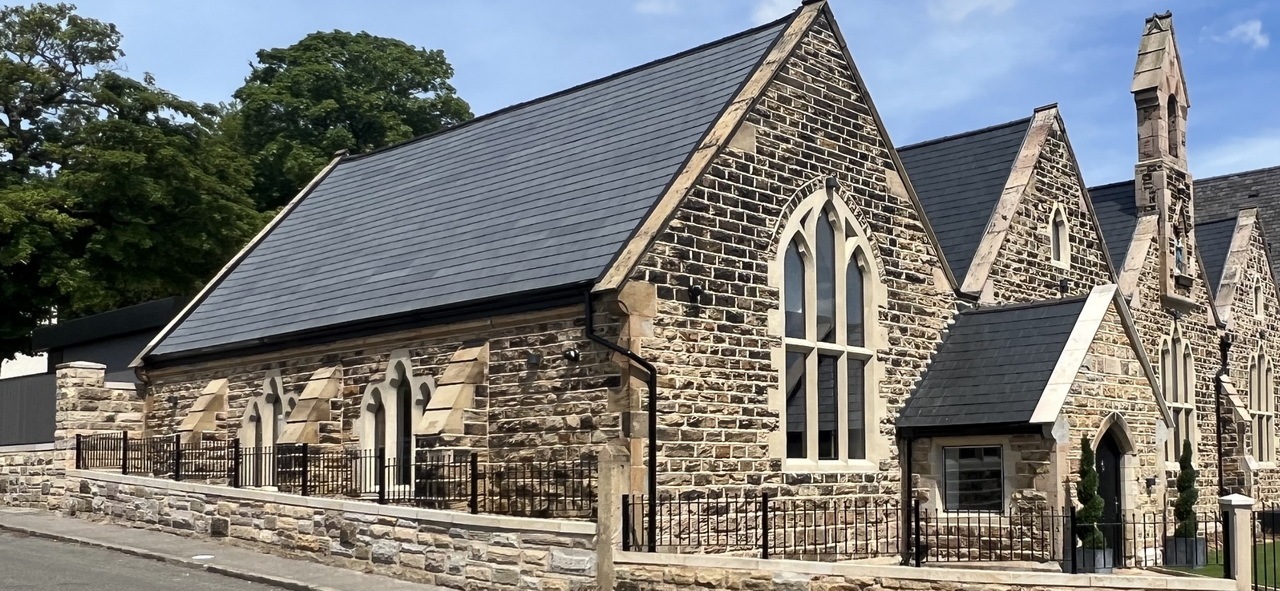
{"x":1162,"y":181}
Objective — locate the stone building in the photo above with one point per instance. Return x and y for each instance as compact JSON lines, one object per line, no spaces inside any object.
{"x":823,"y":313}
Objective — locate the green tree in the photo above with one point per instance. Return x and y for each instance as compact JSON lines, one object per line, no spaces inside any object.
{"x":1091,"y":504}
{"x":336,"y":91}
{"x":112,"y":190}
{"x":1184,"y":509}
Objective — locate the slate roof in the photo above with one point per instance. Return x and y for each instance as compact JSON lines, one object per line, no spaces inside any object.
{"x":1117,"y":210}
{"x":993,"y":366}
{"x":1223,"y":197}
{"x":1214,"y":241}
{"x":538,"y":196}
{"x":959,"y":180}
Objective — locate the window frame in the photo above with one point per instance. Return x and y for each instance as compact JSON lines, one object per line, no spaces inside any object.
{"x":945,"y":481}
{"x":851,"y":247}
{"x":1177,"y":383}
{"x":1262,"y":408}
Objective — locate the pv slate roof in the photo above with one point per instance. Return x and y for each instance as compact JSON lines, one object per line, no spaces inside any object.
{"x":1224,"y":196}
{"x":993,"y":366}
{"x":1117,"y":209}
{"x":959,"y":180}
{"x":534,"y":197}
{"x":1214,"y":241}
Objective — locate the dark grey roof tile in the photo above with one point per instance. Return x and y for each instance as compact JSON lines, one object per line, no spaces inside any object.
{"x":1214,"y":241}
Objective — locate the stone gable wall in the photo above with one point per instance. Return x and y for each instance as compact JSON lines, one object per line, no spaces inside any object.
{"x":1247,"y":332}
{"x":553,"y":409}
{"x":714,"y":356}
{"x":1024,"y":270}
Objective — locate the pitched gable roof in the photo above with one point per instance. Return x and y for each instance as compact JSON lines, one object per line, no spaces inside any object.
{"x":993,"y":366}
{"x":1117,"y":209}
{"x":959,"y":180}
{"x":1224,"y":196}
{"x":1214,"y":241}
{"x":534,"y":197}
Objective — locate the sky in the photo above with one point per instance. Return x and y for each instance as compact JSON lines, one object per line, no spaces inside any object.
{"x":932,"y":67}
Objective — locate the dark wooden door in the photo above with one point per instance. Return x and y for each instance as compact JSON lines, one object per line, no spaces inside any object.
{"x":1109,"y":488}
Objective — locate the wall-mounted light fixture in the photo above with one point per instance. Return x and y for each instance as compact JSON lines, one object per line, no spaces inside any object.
{"x":1151,"y":485}
{"x":533,"y":360}
{"x":831,"y":183}
{"x":572,"y":356}
{"x":696,"y":290}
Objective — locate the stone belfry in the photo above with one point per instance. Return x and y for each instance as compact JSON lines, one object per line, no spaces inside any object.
{"x":1162,"y":181}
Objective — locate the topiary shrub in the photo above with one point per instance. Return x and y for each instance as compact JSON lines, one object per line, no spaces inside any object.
{"x":1090,"y":503}
{"x":1184,"y":509}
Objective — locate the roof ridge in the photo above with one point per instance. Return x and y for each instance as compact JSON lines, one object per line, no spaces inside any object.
{"x":578,"y":87}
{"x":962,"y":134}
{"x":1005,"y":307}
{"x":1241,"y":173}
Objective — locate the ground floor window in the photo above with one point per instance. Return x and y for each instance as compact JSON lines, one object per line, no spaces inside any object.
{"x":973,"y":478}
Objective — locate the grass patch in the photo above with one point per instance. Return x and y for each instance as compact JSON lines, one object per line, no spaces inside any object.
{"x":1266,"y":565}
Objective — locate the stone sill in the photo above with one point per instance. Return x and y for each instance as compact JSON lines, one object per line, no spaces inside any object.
{"x":436,"y":516}
{"x":855,"y":570}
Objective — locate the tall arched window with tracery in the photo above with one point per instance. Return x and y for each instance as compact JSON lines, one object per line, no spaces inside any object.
{"x":827,"y":300}
{"x":1177,"y":378}
{"x":1262,"y":405}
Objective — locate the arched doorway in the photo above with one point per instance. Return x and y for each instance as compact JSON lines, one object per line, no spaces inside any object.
{"x":1110,"y":466}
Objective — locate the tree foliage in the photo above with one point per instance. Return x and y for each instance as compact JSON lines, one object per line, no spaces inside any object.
{"x":336,"y":91}
{"x":1184,"y":509}
{"x":1091,"y":505}
{"x":112,"y":190}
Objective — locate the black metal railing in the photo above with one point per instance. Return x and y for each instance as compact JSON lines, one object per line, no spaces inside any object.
{"x":1265,"y":527}
{"x":838,"y":529}
{"x":452,"y":480}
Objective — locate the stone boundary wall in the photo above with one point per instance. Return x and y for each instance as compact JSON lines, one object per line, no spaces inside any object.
{"x":32,"y":475}
{"x":687,"y":572}
{"x":450,"y":549}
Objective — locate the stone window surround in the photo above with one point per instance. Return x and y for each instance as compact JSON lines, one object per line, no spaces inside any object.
{"x":384,"y":393}
{"x":1262,"y":407}
{"x":1179,"y":393}
{"x":1259,"y":303}
{"x":935,"y":485}
{"x":857,"y":243}
{"x":271,"y":395}
{"x":1059,"y":238}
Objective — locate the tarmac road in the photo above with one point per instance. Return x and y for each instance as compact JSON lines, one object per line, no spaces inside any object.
{"x":36,"y":564}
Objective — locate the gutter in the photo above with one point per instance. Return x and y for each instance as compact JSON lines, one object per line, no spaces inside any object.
{"x":651,"y":525}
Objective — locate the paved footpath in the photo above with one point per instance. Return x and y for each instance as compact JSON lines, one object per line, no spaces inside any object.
{"x":222,"y":559}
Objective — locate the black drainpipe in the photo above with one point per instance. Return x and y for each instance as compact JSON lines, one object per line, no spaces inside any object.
{"x":1224,"y":346}
{"x":651,"y":525}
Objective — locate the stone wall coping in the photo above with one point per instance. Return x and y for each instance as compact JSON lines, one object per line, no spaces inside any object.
{"x":27,"y":447}
{"x":80,"y":365}
{"x":441,"y":517}
{"x":120,"y":386}
{"x":929,"y":574}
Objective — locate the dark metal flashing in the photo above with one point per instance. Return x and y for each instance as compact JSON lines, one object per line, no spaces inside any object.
{"x":123,"y":321}
{"x":970,"y":430}
{"x":558,"y":297}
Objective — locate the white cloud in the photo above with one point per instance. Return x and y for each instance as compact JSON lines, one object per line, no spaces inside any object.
{"x":954,"y":11}
{"x":657,"y":7}
{"x":1248,"y":32}
{"x":769,"y":10}
{"x":1238,"y":154}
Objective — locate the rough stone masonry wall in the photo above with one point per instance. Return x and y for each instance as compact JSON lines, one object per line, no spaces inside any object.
{"x":1154,"y":322}
{"x":1111,"y":381}
{"x":555,"y":409}
{"x":714,"y":358}
{"x":1024,"y":269}
{"x":1250,"y":333}
{"x":450,"y":550}
{"x":32,"y":478}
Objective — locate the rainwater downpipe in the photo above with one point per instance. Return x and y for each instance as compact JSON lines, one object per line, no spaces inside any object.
{"x":651,"y":524}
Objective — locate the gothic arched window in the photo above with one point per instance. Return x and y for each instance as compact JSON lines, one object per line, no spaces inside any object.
{"x":1177,"y":378}
{"x":1262,"y":405}
{"x":827,"y":303}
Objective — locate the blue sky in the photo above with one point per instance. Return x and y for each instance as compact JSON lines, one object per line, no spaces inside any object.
{"x":933,"y":67}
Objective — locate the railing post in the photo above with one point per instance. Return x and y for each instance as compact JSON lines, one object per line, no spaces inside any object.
{"x":124,"y":452}
{"x":1237,"y":518}
{"x":764,"y":525}
{"x":474,"y":502}
{"x":235,"y":462}
{"x":1070,"y":551}
{"x":626,"y":522}
{"x":79,"y":451}
{"x":917,"y":553}
{"x":177,"y":457}
{"x":306,"y":470}
{"x":380,"y":478}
